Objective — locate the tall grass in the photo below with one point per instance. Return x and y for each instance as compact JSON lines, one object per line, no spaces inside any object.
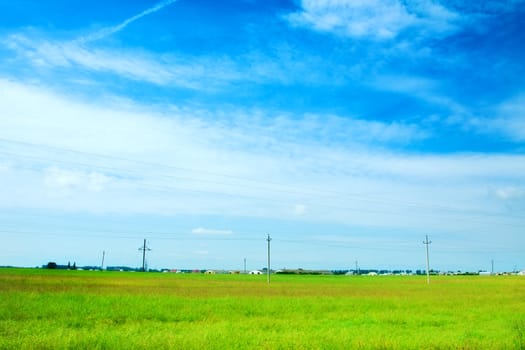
{"x":42,"y":309}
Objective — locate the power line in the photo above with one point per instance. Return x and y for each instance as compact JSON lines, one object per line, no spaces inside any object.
{"x":403,"y":245}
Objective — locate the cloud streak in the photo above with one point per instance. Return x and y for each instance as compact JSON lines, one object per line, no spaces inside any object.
{"x":133,"y":65}
{"x":108,"y":31}
{"x":213,"y":232}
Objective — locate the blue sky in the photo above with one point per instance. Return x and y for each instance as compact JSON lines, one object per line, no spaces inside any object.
{"x":347,"y":130}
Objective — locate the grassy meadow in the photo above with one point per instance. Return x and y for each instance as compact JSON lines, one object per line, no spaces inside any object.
{"x":48,"y":309}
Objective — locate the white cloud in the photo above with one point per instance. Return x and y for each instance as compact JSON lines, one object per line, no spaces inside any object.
{"x":55,"y":121}
{"x":207,"y":231}
{"x":300,"y":209}
{"x":510,"y":193}
{"x":374,"y":19}
{"x":63,"y":179}
{"x":63,"y":122}
{"x":138,"y":159}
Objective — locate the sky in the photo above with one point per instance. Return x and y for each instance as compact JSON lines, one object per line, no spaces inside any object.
{"x":346,"y":130}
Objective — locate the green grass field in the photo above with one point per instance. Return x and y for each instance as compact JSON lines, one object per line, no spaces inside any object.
{"x":46,"y":309}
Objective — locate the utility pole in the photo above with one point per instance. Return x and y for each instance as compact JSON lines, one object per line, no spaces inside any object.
{"x":144,"y":248}
{"x":268,"y":268}
{"x":427,"y":243}
{"x":245,"y":266}
{"x":103,"y":255}
{"x":356,"y":268}
{"x":492,"y":263}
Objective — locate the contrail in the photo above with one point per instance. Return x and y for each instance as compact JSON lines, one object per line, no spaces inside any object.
{"x":104,"y":32}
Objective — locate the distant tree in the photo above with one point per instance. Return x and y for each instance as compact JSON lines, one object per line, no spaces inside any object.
{"x":51,"y":265}
{"x":74,"y":266}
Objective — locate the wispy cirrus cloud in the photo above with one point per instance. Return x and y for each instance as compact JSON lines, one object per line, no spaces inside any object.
{"x":82,"y":53}
{"x":131,"y":64}
{"x":327,"y":129}
{"x":377,"y":20}
{"x":430,"y":91}
{"x":199,"y":73}
{"x":59,"y":179}
{"x":208,"y":231}
{"x":187,"y":163}
{"x":505,"y":120}
{"x":104,"y":32}
{"x":268,"y":130}
{"x":510,"y":118}
{"x":86,"y":56}
{"x":510,"y":193}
